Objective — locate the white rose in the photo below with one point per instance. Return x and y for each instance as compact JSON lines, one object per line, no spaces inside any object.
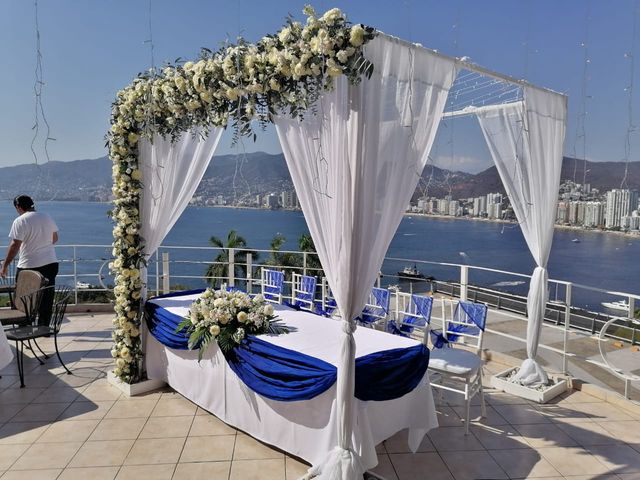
{"x":284,"y":35}
{"x":356,"y":36}
{"x":242,"y":317}
{"x":268,"y":310}
{"x":214,"y":330}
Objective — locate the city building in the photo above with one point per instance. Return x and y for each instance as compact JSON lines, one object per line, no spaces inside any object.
{"x":620,"y":203}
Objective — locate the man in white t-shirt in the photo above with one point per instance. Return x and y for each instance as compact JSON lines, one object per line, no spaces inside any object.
{"x":33,"y":234}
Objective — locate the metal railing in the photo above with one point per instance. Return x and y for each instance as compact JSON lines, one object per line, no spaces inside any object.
{"x":181,"y":267}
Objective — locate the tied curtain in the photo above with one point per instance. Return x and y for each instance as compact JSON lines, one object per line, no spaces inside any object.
{"x":355,"y":164}
{"x":526,"y":142}
{"x":171,"y":172}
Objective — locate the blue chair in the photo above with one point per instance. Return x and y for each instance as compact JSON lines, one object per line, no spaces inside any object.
{"x":272,"y":285}
{"x":376,"y":310}
{"x":327,"y":305}
{"x":460,"y":370}
{"x":303,"y":292}
{"x":412,"y":311}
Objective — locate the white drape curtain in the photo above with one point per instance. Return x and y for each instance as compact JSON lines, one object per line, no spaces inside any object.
{"x":354,"y":166}
{"x":171,"y":172}
{"x":526,"y":142}
{"x":6,"y":354}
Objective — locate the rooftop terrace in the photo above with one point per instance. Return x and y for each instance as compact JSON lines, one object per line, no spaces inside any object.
{"x":65,"y":427}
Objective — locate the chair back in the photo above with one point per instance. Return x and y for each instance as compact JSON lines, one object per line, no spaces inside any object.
{"x":467,"y":324}
{"x":304,"y":291}
{"x":272,"y":285}
{"x":327,"y":305}
{"x":60,"y":302}
{"x":412,"y":311}
{"x":28,"y":281}
{"x":377,"y":306}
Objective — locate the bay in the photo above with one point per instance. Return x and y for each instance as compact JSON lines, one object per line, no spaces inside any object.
{"x":601,"y":260}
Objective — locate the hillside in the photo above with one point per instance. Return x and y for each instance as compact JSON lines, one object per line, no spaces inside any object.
{"x":237,"y":177}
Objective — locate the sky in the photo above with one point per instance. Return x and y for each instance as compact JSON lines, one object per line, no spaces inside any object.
{"x":90,"y":49}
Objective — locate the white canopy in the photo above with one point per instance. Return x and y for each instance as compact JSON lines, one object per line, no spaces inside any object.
{"x":355,"y":166}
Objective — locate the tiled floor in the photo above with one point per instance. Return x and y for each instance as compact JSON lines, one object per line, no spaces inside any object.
{"x":67,"y":427}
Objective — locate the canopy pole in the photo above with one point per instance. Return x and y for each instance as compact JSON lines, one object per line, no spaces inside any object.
{"x":471,"y":110}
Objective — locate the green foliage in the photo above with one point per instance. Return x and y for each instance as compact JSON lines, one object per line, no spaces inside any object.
{"x":219,"y":269}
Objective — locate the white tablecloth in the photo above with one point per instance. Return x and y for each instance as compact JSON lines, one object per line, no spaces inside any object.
{"x":6,"y":355}
{"x":306,"y":429}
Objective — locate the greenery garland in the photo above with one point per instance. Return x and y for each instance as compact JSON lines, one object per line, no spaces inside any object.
{"x":285,"y":72}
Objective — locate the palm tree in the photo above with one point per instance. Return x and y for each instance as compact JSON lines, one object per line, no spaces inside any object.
{"x":282,"y":259}
{"x":305,"y":244}
{"x":219,"y":269}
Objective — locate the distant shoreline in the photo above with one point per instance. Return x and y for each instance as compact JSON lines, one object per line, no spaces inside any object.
{"x":412,"y":214}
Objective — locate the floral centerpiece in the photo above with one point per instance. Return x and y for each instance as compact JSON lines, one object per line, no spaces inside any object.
{"x":227,"y":318}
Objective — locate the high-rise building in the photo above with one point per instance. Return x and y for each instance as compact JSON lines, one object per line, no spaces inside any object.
{"x":593,"y":214}
{"x":494,"y":211}
{"x":620,"y":203}
{"x":454,"y":207}
{"x":443,"y":206}
{"x":479,"y":207}
{"x":562,"y":214}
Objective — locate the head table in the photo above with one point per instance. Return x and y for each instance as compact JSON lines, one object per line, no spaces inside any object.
{"x":306,"y":428}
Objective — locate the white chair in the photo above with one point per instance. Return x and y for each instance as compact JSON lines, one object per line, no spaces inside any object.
{"x":303,"y":291}
{"x":327,"y":305}
{"x":376,"y":310}
{"x":413,"y":312}
{"x":460,"y":370}
{"x":272,"y":285}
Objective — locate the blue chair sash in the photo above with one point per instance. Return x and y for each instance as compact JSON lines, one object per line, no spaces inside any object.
{"x":286,"y":375}
{"x":475,"y":313}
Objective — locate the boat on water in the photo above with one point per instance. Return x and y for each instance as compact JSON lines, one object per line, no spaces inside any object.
{"x":410,"y":272}
{"x":620,"y":305}
{"x":576,"y":240}
{"x":83,"y":285}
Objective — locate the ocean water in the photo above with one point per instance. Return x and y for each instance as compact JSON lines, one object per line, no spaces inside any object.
{"x":605,"y":261}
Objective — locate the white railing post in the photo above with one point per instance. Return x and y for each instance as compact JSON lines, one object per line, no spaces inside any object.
{"x":632,"y":307}
{"x":304,"y":263}
{"x":75,"y":274}
{"x":567,"y":324}
{"x":249,"y":273}
{"x":157,"y":272}
{"x":464,"y":281}
{"x":232,"y":267}
{"x":166,"y":283}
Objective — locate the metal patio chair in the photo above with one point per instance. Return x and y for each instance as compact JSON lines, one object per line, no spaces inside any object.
{"x":27,"y":333}
{"x":21,"y":311}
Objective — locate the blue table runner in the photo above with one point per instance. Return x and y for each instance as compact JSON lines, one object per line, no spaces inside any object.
{"x":286,"y":375}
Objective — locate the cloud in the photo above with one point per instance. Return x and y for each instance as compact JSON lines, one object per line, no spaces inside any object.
{"x":462,"y":163}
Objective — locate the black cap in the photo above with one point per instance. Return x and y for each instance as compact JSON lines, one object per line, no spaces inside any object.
{"x":25,"y":202}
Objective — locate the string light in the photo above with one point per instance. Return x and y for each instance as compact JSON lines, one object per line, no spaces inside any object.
{"x":630,"y":126}
{"x":581,"y":132}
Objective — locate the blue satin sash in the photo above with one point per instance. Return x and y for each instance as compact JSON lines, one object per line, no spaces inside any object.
{"x":286,"y":375}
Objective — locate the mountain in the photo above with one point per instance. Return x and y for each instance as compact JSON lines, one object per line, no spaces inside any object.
{"x":238,"y":177}
{"x":601,"y":175}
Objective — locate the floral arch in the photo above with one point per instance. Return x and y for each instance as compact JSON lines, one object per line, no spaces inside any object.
{"x":283,"y":72}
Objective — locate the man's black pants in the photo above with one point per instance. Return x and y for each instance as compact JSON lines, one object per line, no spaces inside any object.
{"x":46,"y":303}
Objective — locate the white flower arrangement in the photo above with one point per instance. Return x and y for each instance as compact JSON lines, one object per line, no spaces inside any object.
{"x":227,"y":318}
{"x":282,"y":73}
